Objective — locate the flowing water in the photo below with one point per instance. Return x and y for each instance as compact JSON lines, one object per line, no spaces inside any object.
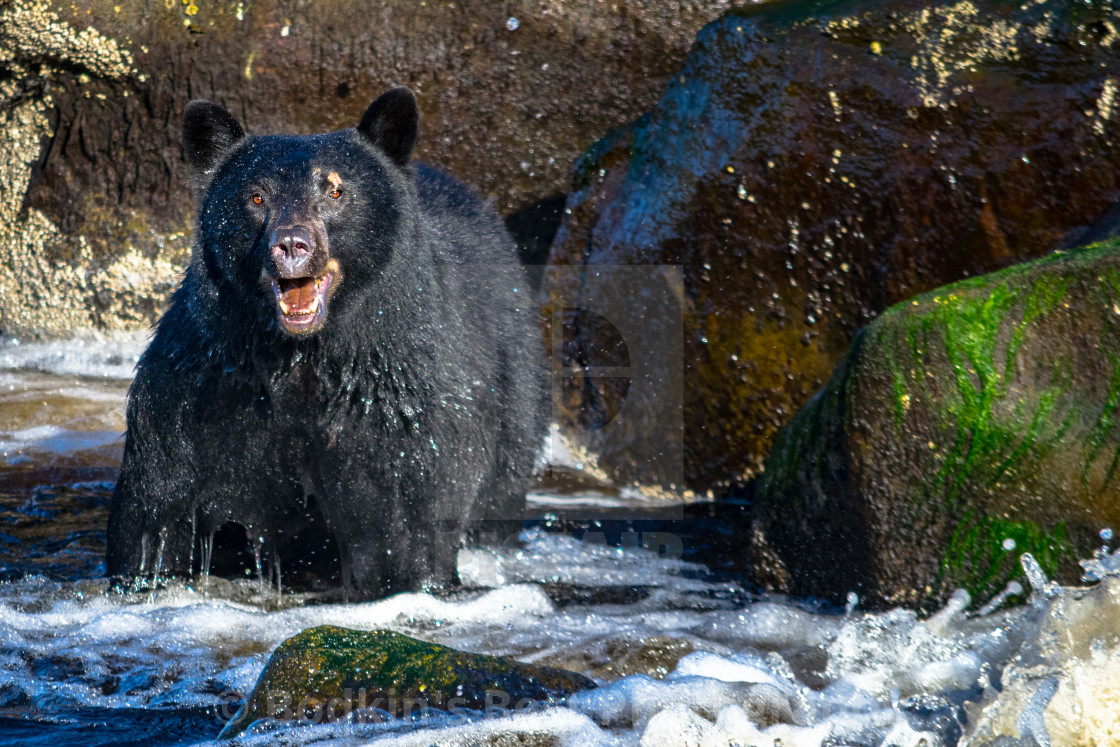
{"x":682,"y":654}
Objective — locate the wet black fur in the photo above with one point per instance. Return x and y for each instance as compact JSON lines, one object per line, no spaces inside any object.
{"x":413,"y":413}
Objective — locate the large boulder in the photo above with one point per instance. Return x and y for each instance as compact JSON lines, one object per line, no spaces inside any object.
{"x":94,"y":205}
{"x":331,"y":674}
{"x":963,"y":428}
{"x":812,"y":164}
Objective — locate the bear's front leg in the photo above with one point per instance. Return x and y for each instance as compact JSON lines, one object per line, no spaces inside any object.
{"x":389,"y":541}
{"x":379,"y":559}
{"x":151,"y":531}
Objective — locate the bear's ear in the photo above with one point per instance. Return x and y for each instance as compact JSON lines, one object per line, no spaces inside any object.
{"x":209,"y":132}
{"x":392,"y":122}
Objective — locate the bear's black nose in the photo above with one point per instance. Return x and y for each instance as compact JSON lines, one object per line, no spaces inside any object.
{"x":291,"y":250}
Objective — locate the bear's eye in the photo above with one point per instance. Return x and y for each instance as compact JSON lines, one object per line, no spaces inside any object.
{"x":336,"y":193}
{"x":257,"y":199}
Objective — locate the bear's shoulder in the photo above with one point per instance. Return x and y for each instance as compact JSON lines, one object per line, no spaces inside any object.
{"x":467,"y":229}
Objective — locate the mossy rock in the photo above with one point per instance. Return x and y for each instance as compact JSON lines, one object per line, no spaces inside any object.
{"x":814,"y":163}
{"x":330,"y":673}
{"x":963,"y":428}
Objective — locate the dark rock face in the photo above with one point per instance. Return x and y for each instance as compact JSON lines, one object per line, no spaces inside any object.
{"x":328,"y":672}
{"x":510,"y":94}
{"x":815,"y":162}
{"x":963,"y":428}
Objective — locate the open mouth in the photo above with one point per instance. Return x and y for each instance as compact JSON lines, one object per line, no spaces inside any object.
{"x":303,"y":301}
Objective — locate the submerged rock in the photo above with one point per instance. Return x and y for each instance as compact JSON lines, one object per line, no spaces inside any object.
{"x":812,"y":164}
{"x":963,"y":428}
{"x":330,"y":673}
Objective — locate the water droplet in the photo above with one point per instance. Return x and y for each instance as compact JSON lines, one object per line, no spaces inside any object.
{"x":1106,"y":534}
{"x":1009,"y":544}
{"x":513,"y":24}
{"x":851,"y":603}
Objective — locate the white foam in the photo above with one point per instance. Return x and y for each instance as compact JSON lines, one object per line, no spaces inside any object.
{"x":91,"y":353}
{"x":894,"y":651}
{"x":53,"y":440}
{"x":632,"y":701}
{"x":1102,"y":565}
{"x":677,"y":726}
{"x":560,"y":558}
{"x":558,"y":726}
{"x":1031,"y":724}
{"x":587,"y":499}
{"x":732,"y":668}
{"x":773,"y":627}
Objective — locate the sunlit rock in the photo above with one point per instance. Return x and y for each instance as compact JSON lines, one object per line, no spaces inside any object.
{"x":94,"y":194}
{"x":964,"y":428}
{"x":812,"y":164}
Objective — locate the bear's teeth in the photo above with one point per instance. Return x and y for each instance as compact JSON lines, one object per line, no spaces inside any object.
{"x":306,"y":312}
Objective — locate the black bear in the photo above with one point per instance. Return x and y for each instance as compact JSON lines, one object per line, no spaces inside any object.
{"x":353,"y":329}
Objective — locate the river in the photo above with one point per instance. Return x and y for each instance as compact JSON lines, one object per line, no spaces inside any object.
{"x":682,"y":654}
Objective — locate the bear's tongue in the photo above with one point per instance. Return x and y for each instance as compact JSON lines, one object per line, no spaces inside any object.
{"x":297,"y":296}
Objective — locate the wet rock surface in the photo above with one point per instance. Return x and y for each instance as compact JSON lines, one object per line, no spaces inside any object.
{"x":812,"y":164}
{"x":326,"y":673}
{"x":48,"y":279}
{"x":963,"y":428}
{"x":94,"y":183}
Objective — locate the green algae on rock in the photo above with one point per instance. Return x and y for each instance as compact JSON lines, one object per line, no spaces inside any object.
{"x":330,"y":673}
{"x":963,"y":428}
{"x":816,"y":162}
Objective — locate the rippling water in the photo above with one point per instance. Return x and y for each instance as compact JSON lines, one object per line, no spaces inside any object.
{"x":683,"y":655}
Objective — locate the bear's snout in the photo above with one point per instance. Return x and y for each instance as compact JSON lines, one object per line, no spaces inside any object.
{"x":301,"y":274}
{"x":291,"y":250}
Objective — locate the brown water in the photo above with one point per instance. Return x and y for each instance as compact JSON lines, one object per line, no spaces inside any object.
{"x":61,"y":437}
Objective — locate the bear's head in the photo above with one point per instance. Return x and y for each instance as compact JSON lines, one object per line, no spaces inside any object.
{"x":283,"y":219}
